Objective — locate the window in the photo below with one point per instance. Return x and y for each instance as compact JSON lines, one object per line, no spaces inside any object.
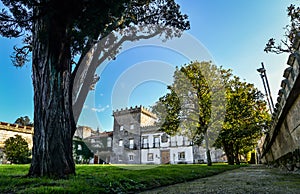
{"x":150,"y":157}
{"x":120,"y":158}
{"x":121,"y":128}
{"x":131,"y":126}
{"x":145,"y":143}
{"x":120,"y":142}
{"x":109,"y":142}
{"x":173,"y":141}
{"x":156,"y":142}
{"x":130,"y":157}
{"x":181,"y":155}
{"x":131,"y":143}
{"x":186,"y":141}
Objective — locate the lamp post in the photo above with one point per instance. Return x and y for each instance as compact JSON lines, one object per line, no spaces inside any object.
{"x":265,"y":81}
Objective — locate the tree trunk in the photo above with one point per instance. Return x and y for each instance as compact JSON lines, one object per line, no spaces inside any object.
{"x":236,"y":156}
{"x":54,"y":125}
{"x":209,"y":162}
{"x":228,"y":148}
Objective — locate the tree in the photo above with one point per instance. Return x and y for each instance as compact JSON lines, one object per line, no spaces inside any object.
{"x":16,"y":150}
{"x":167,"y":109}
{"x":24,"y":121}
{"x":57,"y":32}
{"x":291,"y":30}
{"x":194,"y":106}
{"x":246,"y":118}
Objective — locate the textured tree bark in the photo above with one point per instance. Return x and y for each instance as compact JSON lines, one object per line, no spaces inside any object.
{"x":236,"y":156}
{"x":53,"y":118}
{"x":229,"y":153}
{"x":209,"y":162}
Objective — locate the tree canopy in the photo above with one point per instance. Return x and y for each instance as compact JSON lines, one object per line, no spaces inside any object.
{"x":24,"y":121}
{"x":194,"y":105}
{"x":68,"y":40}
{"x":245,"y":120}
{"x":209,"y":103}
{"x":286,"y":44}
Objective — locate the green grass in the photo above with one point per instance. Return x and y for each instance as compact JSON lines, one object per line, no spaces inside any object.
{"x":105,"y":178}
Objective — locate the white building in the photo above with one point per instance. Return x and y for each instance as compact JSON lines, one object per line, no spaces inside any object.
{"x":160,"y":148}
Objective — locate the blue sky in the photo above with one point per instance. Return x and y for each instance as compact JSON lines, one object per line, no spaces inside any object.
{"x":233,"y":33}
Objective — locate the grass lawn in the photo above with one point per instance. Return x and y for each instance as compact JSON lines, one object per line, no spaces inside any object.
{"x":105,"y":178}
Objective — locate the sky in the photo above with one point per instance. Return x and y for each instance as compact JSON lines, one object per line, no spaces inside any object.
{"x":230,"y":33}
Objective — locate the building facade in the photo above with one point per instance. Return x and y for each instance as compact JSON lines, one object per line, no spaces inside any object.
{"x":159,"y":148}
{"x":136,"y":140}
{"x":101,"y":145}
{"x":127,"y":134}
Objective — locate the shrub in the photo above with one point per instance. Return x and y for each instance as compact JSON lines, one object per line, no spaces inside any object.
{"x":16,"y":150}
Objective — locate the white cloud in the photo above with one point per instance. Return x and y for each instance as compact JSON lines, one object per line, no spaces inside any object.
{"x":100,"y":109}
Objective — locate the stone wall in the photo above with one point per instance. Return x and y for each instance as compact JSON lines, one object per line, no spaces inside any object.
{"x":126,"y":127}
{"x":8,"y":130}
{"x":282,"y":143}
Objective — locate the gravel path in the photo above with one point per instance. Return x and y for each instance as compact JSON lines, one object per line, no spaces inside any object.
{"x":253,"y":179}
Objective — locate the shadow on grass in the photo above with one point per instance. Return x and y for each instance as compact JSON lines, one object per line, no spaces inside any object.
{"x":105,"y":178}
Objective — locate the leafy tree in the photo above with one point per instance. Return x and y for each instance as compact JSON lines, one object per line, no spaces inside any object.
{"x":167,"y":110}
{"x":246,"y":117}
{"x":291,"y":30}
{"x":24,"y":121}
{"x":194,"y":105}
{"x":16,"y":150}
{"x":59,"y":32}
{"x":217,"y":108}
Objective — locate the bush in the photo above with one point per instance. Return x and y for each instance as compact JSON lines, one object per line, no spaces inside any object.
{"x":16,"y":150}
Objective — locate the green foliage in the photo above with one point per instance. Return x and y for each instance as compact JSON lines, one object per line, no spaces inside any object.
{"x":105,"y":178}
{"x":16,"y":150}
{"x":86,"y":21}
{"x":245,"y":120}
{"x":168,"y":111}
{"x":206,"y":102}
{"x":24,"y":121}
{"x":194,"y":103}
{"x":81,"y":153}
{"x":291,"y":30}
{"x":63,"y":35}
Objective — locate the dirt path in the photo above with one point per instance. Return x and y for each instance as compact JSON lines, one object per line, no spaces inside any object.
{"x":253,"y":179}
